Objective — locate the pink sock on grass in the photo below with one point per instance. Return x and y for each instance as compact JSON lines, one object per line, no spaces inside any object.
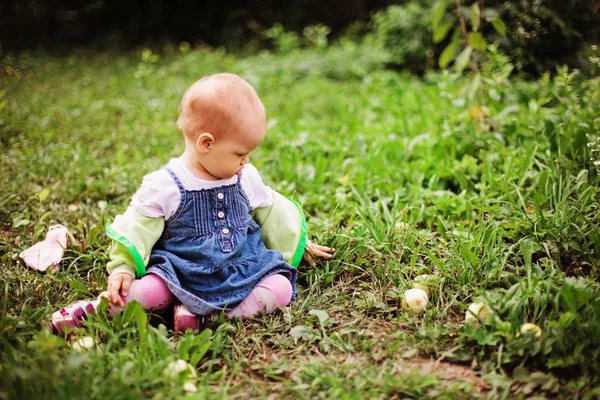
{"x":270,"y":294}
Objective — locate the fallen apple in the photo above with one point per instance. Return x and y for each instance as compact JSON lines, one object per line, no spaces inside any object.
{"x":530,"y":328}
{"x":415,"y":300}
{"x":476,"y":312}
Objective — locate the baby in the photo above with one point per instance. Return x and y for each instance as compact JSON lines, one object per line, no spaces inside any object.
{"x":188,"y":234}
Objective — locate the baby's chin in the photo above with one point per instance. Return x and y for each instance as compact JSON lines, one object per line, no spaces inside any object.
{"x":227,"y":176}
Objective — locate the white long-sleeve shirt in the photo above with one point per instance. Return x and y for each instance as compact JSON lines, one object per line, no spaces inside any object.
{"x":159,"y":196}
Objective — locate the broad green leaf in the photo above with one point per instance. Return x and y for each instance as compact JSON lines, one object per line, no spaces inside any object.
{"x":474,"y":86}
{"x":448,"y":53}
{"x":521,"y":374}
{"x":45,"y":215}
{"x":199,"y":353}
{"x":463,"y":59}
{"x":439,"y":9}
{"x":20,"y":222}
{"x":135,"y":314}
{"x":410,"y":353}
{"x":77,"y":286}
{"x":321,"y":315}
{"x":527,"y":162}
{"x":183,"y":349}
{"x":441,"y":31}
{"x":45,"y":341}
{"x":302,"y":332}
{"x":528,"y":247}
{"x":475,"y":16}
{"x":205,"y":335}
{"x":457,"y":34}
{"x":414,"y":257}
{"x":477,"y":41}
{"x":43,"y":195}
{"x":498,"y":25}
{"x":469,"y":255}
{"x":141,"y":319}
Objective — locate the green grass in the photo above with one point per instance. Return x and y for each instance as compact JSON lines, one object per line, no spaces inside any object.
{"x":393,"y":171}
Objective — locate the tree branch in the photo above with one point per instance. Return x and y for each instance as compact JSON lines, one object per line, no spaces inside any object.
{"x":462,"y":22}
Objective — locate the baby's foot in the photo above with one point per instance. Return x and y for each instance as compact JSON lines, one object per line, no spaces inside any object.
{"x":183,"y":319}
{"x":67,"y":319}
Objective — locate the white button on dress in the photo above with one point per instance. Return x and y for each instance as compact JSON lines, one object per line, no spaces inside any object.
{"x":220,"y":214}
{"x":220,"y":196}
{"x":225,"y":231}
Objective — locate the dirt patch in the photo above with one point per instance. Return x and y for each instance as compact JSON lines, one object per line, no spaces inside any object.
{"x":446,"y":372}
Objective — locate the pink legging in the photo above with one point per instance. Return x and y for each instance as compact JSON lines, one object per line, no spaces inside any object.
{"x":273,"y":292}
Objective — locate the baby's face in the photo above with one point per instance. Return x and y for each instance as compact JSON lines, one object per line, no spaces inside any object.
{"x":228,"y":155}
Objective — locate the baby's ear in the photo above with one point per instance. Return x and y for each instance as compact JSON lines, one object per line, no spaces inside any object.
{"x":204,"y":142}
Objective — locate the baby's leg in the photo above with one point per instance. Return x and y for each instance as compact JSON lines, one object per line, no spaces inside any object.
{"x":273,"y":292}
{"x":150,"y":291}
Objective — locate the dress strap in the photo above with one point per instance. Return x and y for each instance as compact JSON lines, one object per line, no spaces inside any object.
{"x":182,"y":201}
{"x":238,"y":184}
{"x":176,"y":179}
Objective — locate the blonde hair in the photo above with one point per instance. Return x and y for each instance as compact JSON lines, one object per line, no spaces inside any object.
{"x":216,"y":104}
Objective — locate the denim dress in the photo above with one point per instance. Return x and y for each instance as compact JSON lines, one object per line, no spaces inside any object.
{"x":210,"y":253}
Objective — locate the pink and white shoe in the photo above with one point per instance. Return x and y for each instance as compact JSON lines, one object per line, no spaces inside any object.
{"x":183,"y":319}
{"x":71,"y":317}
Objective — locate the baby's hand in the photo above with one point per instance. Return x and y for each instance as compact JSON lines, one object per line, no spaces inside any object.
{"x":118,"y":283}
{"x":316,"y":250}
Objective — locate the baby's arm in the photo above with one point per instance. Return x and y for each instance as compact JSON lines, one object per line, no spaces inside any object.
{"x":135,"y":235}
{"x":282,"y":221}
{"x":121,"y":268}
{"x":137,"y":230}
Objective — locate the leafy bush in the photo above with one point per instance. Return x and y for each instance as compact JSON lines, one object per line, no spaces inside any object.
{"x":284,"y":41}
{"x":567,"y":311}
{"x":566,"y":105}
{"x":545,"y":34}
{"x":405,"y":31}
{"x":345,"y":59}
{"x":541,"y":35}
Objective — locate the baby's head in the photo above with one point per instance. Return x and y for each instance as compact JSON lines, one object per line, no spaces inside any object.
{"x":223,"y":120}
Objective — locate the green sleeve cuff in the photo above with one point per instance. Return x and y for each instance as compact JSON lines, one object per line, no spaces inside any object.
{"x":283,"y":228}
{"x":303,"y":236}
{"x":140,"y":266}
{"x":135,"y":234}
